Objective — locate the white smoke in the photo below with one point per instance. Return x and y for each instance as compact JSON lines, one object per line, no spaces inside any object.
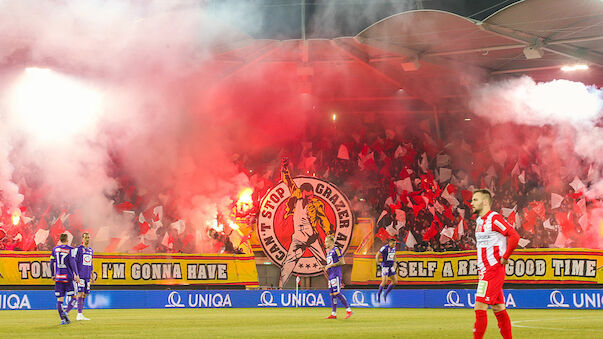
{"x":573,"y":142}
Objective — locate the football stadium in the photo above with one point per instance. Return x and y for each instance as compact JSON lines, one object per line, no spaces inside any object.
{"x":301,"y":168}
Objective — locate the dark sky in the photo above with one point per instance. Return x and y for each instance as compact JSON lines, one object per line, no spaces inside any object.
{"x":281,"y":19}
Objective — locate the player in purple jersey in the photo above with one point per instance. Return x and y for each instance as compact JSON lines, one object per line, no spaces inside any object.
{"x":64,"y":271}
{"x":388,"y":267}
{"x":83,"y":260}
{"x":334,"y":262}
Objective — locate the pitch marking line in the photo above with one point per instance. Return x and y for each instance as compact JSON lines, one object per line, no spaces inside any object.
{"x":514,"y":323}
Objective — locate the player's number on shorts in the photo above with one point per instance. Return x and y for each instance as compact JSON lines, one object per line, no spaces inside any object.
{"x":61,"y":260}
{"x":482,"y":286}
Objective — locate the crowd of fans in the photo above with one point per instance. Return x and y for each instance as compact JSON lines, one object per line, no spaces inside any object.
{"x":414,"y":183}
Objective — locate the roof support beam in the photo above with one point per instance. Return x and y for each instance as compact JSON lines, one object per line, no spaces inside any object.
{"x":514,"y":46}
{"x":363,"y":59}
{"x":259,"y":56}
{"x":522,"y":37}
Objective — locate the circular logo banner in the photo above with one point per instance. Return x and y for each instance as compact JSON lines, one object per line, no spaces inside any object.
{"x":294,"y":219}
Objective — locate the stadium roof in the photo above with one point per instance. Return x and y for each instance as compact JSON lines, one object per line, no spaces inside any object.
{"x":427,"y":58}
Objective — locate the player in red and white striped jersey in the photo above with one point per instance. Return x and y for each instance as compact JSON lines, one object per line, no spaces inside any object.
{"x":495,"y":240}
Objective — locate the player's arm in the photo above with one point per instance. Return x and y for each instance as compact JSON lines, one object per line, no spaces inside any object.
{"x":379,"y":254}
{"x":500,"y":225}
{"x":286,"y":176}
{"x":76,"y":275}
{"x":341,"y":261}
{"x":52,"y":263}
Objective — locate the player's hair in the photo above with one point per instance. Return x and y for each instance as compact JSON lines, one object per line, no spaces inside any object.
{"x":330,"y":238}
{"x":486,"y":193}
{"x":306,"y":187}
{"x":85,"y":233}
{"x":391,"y":239}
{"x":63,"y":237}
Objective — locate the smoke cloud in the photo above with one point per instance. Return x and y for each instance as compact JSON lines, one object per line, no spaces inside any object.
{"x":570,"y":139}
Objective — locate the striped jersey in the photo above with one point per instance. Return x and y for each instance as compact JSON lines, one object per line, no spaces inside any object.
{"x":490,"y":235}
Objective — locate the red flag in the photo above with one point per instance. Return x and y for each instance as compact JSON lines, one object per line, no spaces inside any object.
{"x":124,"y":206}
{"x":417,"y":208}
{"x":42,"y":224}
{"x":538,"y":208}
{"x":189,"y":237}
{"x":113,"y":243}
{"x":467,"y":195}
{"x":511,"y":219}
{"x":56,"y":230}
{"x":566,"y":222}
{"x":143,"y":227}
{"x":448,"y":213}
{"x":75,"y":220}
{"x":141,"y":246}
{"x":396,"y":206}
{"x":459,"y":229}
{"x":383,"y":235}
{"x":530,"y":221}
{"x":431,"y":232}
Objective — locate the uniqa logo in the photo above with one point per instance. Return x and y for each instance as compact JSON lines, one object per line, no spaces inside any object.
{"x":174,"y":300}
{"x":557,"y":299}
{"x":13,"y":302}
{"x":453,"y":299}
{"x":358,"y":299}
{"x":302,"y":299}
{"x":209,"y":300}
{"x":266,"y":299}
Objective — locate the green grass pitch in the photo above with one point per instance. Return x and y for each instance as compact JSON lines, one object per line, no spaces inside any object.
{"x":296,"y":323}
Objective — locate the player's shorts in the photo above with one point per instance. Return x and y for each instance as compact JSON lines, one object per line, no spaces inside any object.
{"x":388,"y":271}
{"x":489,"y":289}
{"x":334,"y":284}
{"x":84,"y":286}
{"x":62,"y":289}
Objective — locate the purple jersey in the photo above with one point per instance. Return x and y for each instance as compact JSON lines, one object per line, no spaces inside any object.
{"x":388,"y":256}
{"x":83,"y":259}
{"x":333,"y":257}
{"x":62,"y":263}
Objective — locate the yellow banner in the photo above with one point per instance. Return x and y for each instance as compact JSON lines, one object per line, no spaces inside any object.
{"x":33,"y":268}
{"x":537,"y":266}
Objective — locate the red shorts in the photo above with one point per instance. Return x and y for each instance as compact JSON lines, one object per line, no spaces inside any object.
{"x":489,"y":289}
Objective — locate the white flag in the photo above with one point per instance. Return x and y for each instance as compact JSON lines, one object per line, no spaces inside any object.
{"x":507,"y":211}
{"x":41,"y":236}
{"x":461,"y":228}
{"x":410,"y":240}
{"x":522,"y":177}
{"x":179,"y":226}
{"x":448,"y":232}
{"x":423,"y":162}
{"x":400,"y":152}
{"x":577,"y":184}
{"x":404,"y":185}
{"x":442,"y":160}
{"x":343,"y":153}
{"x":452,"y":200}
{"x":445,"y":174}
{"x":556,"y":200}
{"x":547,"y":224}
{"x":523,"y":242}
